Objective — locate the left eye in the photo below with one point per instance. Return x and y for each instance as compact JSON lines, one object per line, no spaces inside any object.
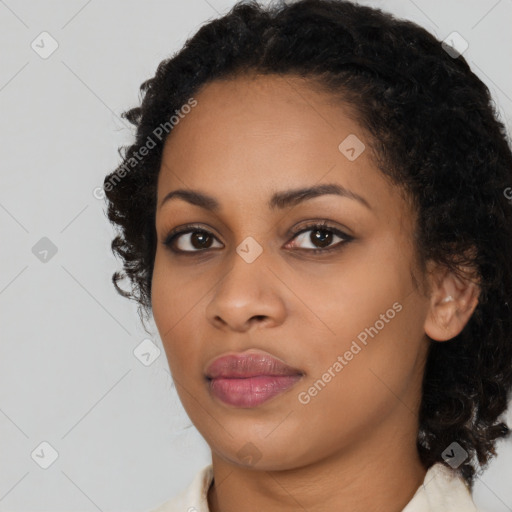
{"x":200,"y":239}
{"x":322,"y":235}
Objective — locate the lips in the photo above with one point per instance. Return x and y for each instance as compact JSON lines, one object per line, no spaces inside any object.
{"x":250,"y":378}
{"x":249,"y":364}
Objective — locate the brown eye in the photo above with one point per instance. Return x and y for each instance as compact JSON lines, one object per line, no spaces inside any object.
{"x":320,"y":238}
{"x":197,"y":240}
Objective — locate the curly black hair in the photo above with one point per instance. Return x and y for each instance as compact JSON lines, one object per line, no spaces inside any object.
{"x":434,"y":132}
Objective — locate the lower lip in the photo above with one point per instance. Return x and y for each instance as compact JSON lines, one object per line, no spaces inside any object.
{"x":251,"y":391}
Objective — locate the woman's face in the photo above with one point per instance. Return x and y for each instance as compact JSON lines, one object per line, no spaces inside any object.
{"x":349,"y":321}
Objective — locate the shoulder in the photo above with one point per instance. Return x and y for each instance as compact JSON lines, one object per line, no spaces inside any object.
{"x":194,"y":498}
{"x":442,"y":490}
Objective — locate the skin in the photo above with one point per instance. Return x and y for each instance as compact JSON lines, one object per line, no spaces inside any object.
{"x":353,"y":445}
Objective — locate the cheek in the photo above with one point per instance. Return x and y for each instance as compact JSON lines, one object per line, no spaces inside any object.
{"x":343,"y":300}
{"x":173,"y":294}
{"x":171,"y":306}
{"x":178,"y":303}
{"x":353,"y":386}
{"x":163,"y":297}
{"x":372,"y":317}
{"x":371,"y":352}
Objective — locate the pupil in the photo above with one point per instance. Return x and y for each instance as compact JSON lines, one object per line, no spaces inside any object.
{"x":199,"y":237}
{"x":324,"y":241}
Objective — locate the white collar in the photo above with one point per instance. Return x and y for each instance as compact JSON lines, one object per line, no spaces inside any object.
{"x":442,"y":490}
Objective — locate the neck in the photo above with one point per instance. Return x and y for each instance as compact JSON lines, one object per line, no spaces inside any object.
{"x":371,"y":475}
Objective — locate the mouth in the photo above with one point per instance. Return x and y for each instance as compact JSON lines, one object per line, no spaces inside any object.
{"x":250,"y":378}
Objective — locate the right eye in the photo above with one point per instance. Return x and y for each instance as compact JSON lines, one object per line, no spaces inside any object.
{"x":197,"y":240}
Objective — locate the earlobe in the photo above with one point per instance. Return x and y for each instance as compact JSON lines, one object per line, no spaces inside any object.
{"x":452,"y":302}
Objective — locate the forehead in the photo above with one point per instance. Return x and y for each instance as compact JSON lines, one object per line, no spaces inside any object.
{"x":259,"y":104}
{"x":250,"y":136}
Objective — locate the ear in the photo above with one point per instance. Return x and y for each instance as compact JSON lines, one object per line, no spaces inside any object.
{"x":452,"y":302}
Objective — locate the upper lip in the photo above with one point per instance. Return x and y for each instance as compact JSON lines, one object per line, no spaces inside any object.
{"x":248,"y":364}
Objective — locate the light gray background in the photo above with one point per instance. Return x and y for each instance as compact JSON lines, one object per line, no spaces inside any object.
{"x":68,"y":374}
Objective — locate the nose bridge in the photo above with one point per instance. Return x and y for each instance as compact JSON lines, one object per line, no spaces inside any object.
{"x":247,"y":278}
{"x":248,"y":289}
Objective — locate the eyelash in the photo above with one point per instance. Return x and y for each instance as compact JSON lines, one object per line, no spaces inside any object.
{"x":321,"y":226}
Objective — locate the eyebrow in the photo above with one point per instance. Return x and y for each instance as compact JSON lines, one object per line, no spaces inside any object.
{"x":278,"y":201}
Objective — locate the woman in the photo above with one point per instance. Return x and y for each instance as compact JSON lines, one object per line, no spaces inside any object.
{"x":314,"y":213}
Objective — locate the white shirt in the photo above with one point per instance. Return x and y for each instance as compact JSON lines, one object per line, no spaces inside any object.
{"x":442,"y":490}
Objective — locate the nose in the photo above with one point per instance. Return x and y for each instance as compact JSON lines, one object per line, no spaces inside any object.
{"x":248,"y":294}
